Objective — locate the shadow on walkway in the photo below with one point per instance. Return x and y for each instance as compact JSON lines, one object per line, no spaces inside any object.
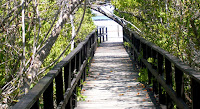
{"x":112,"y":82}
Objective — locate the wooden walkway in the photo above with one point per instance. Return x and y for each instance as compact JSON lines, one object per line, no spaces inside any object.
{"x":112,"y":82}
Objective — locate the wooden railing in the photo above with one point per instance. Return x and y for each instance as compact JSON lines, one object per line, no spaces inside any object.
{"x":103,"y":33}
{"x":167,"y":73}
{"x":67,"y":74}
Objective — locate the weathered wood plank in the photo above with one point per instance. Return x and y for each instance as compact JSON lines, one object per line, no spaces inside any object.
{"x":112,"y":82}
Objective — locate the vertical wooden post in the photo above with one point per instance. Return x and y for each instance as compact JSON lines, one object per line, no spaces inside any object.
{"x":138,"y":50}
{"x":161,"y":71}
{"x":59,"y":87}
{"x":195,"y":94}
{"x":95,"y":41}
{"x":78,"y":61}
{"x":118,"y":30}
{"x":144,"y":51}
{"x":100,"y":34}
{"x":67,"y":79}
{"x":74,"y":99}
{"x":82,"y":54}
{"x":168,"y":71}
{"x":74,"y":66}
{"x":48,"y":97}
{"x":179,"y":79}
{"x":97,"y":35}
{"x":82,"y":79}
{"x":103,"y":33}
{"x":90,"y":42}
{"x":133,"y":42}
{"x":155,"y":83}
{"x":138,"y":45}
{"x":36,"y":105}
{"x":67,"y":76}
{"x":123,"y":34}
{"x":85,"y":51}
{"x":106,"y":34}
{"x":85,"y":73}
{"x":132,"y":38}
{"x":148,"y":50}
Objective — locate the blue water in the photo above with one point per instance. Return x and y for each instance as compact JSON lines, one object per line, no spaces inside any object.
{"x":99,"y":18}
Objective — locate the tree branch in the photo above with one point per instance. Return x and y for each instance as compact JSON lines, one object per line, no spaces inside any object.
{"x":72,"y":39}
{"x":45,"y":50}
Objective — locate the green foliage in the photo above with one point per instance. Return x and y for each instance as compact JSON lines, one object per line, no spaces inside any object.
{"x":152,"y":61}
{"x":65,"y":36}
{"x":171,"y":25}
{"x":127,"y":44}
{"x":11,"y":46}
{"x":87,"y":26}
{"x":143,"y":75}
{"x":80,"y":97}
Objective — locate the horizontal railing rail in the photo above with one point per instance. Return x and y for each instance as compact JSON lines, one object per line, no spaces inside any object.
{"x":166,"y":73}
{"x":67,"y":75}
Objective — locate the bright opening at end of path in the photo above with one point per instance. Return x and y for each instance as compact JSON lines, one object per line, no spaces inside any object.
{"x":114,"y":29}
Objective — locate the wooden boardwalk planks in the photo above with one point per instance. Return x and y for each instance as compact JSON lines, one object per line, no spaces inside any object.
{"x":112,"y":81}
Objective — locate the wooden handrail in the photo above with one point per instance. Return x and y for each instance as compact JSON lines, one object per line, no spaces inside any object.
{"x":74,"y":65}
{"x":140,"y":47}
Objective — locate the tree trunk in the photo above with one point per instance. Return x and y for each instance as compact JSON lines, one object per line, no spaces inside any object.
{"x":45,"y":49}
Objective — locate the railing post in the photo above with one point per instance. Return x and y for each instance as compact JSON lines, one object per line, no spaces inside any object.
{"x":179,"y":79}
{"x":82,"y":54}
{"x":106,"y":34}
{"x":148,"y":50}
{"x":139,"y":47}
{"x":74,"y":100}
{"x":59,"y":87}
{"x":78,"y":61}
{"x":155,"y":83}
{"x":67,"y":75}
{"x":134,"y":44}
{"x":85,"y":51}
{"x":97,"y":34}
{"x":36,"y":105}
{"x":133,"y":53}
{"x":144,"y":53}
{"x":67,"y":79}
{"x":85,"y":73}
{"x":74,"y":68}
{"x":95,"y":41}
{"x":48,"y":97}
{"x":195,"y":94}
{"x":123,"y":34}
{"x":168,"y":71}
{"x":103,"y":33}
{"x":161,"y":71}
{"x":100,"y":34}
